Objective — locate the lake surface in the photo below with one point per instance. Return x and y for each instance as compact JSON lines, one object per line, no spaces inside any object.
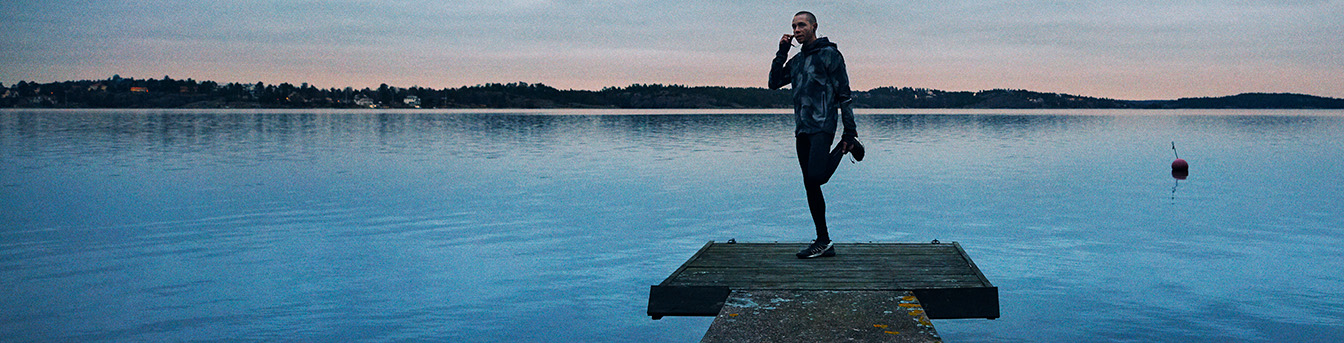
{"x":321,"y":225}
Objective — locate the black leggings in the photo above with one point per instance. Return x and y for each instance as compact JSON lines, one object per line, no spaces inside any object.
{"x":818,"y":162}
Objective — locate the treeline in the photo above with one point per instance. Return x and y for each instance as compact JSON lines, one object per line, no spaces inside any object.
{"x":1254,"y":101}
{"x":118,"y":92}
{"x":523,"y":95}
{"x":891,"y":97}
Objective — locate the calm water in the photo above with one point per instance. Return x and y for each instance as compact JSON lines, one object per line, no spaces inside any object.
{"x":497,"y":226}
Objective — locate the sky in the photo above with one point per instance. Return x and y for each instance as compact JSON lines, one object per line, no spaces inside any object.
{"x":1132,"y":50}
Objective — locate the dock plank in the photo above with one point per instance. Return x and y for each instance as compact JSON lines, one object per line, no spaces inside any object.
{"x":943,"y":272}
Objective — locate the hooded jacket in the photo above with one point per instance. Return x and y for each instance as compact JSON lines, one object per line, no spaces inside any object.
{"x":821,"y":94}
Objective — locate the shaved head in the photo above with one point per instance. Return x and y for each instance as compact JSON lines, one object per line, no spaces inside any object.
{"x":812,"y":18}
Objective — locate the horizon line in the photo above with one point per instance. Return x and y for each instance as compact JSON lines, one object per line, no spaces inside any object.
{"x":169,"y":77}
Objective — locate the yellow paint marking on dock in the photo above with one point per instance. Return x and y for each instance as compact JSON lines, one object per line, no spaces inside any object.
{"x":732,"y":315}
{"x":908,"y":298}
{"x":892,"y":332}
{"x":880,"y":326}
{"x":916,"y":312}
{"x":908,"y":305}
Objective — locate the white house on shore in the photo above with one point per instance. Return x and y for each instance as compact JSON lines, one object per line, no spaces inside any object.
{"x":364,"y":101}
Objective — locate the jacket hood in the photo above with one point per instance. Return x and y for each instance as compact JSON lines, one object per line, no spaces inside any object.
{"x":817,"y":44}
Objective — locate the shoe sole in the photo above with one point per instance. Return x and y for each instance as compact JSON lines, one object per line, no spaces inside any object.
{"x":825,"y":254}
{"x":829,"y":252}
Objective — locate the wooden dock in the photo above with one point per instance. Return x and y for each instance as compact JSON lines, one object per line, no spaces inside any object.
{"x":783,"y":316}
{"x":943,"y":278}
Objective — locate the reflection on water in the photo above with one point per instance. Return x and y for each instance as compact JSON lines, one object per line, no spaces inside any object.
{"x":497,"y":226}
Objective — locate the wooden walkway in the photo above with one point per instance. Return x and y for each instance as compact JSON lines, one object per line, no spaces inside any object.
{"x":945,"y":280}
{"x":783,"y":316}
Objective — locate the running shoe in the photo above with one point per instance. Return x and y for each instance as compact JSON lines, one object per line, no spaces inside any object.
{"x":855,"y":149}
{"x":818,"y":249}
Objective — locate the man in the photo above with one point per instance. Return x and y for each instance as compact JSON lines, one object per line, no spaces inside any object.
{"x":821,"y":98}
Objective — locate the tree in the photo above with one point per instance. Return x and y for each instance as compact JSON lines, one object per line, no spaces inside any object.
{"x":24,"y":88}
{"x":385,"y":95}
{"x":208,"y":86}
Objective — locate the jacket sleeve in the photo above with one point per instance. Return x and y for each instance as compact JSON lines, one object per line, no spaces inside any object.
{"x":779,"y":70}
{"x":844,"y":98}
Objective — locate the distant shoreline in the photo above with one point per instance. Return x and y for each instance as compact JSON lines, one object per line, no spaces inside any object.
{"x":698,"y":111}
{"x":167,"y":93}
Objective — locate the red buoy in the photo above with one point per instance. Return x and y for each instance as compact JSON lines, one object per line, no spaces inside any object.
{"x":1178,"y":165}
{"x":1180,"y":169}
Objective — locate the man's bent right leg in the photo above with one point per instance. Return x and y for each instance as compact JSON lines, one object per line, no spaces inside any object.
{"x":821,"y":161}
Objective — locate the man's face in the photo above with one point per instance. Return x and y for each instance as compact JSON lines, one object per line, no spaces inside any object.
{"x":804,"y":31}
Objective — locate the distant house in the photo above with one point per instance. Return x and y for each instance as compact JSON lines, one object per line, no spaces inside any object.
{"x":411,"y":100}
{"x":295,"y":97}
{"x":365,"y":102}
{"x":97,"y":87}
{"x":139,"y":89}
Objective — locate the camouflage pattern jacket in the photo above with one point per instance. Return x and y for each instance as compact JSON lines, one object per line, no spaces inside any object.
{"x":821,"y":92}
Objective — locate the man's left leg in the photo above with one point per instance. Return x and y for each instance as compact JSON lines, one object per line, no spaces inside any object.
{"x":818,"y":164}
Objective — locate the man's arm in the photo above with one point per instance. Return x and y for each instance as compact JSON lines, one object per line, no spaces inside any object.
{"x":843,"y":96}
{"x":779,"y":72}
